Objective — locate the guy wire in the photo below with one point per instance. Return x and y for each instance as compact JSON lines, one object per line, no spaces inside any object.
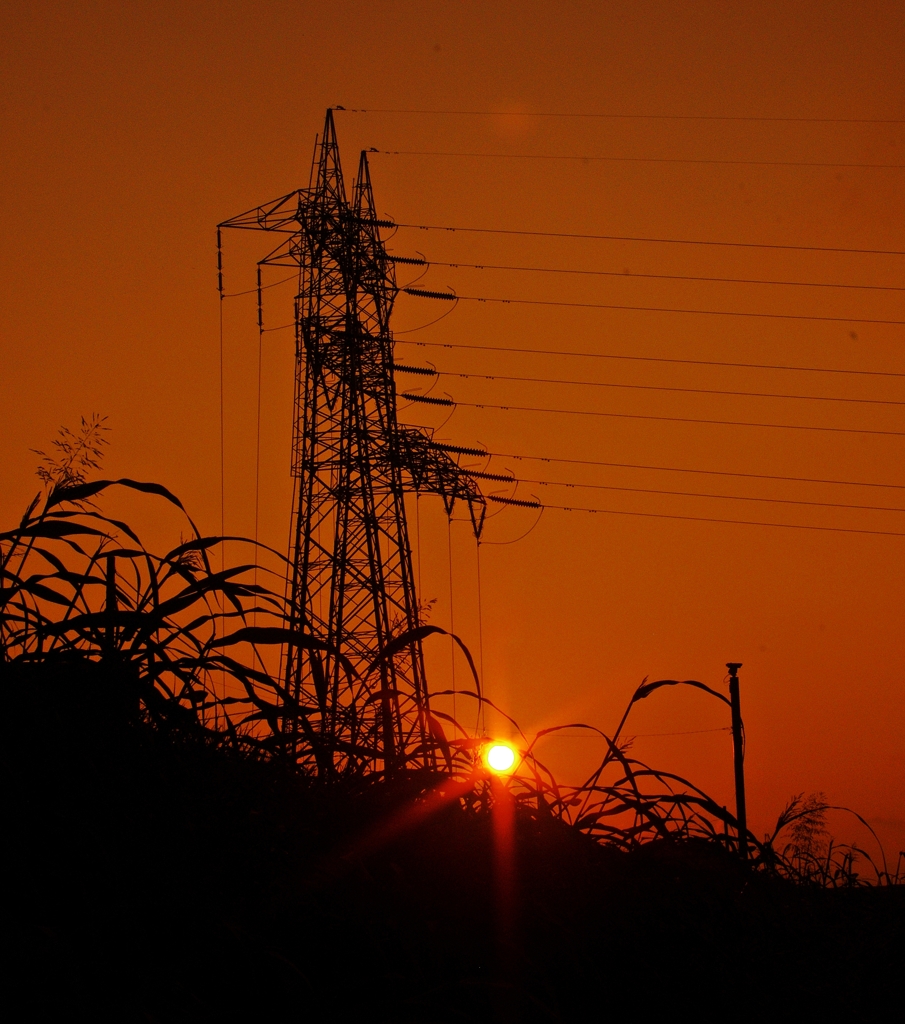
{"x":258,"y":431}
{"x":222,"y":441}
{"x":452,"y":619}
{"x":481,"y":722}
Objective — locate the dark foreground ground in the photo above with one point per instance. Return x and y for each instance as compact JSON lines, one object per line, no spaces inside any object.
{"x":150,"y":878}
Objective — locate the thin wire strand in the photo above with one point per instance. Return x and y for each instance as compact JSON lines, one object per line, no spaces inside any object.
{"x":220,"y":604}
{"x":661,"y":241}
{"x":698,"y":494}
{"x":653,"y":359}
{"x":480,"y":638}
{"x":262,"y":288}
{"x":258,"y":435}
{"x":520,"y":537}
{"x":734,"y":522}
{"x":638,"y":159}
{"x":430,"y":323}
{"x":681,"y":419}
{"x":656,"y":387}
{"x":664,"y":277}
{"x":673,"y":309}
{"x":702,"y":472}
{"x":222,"y":451}
{"x":452,"y":617}
{"x":418,"y":535}
{"x":626,"y":117}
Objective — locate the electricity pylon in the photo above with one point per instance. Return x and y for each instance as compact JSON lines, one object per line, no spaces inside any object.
{"x":361,"y":704}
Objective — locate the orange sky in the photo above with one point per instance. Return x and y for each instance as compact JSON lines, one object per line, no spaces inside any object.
{"x":129,"y":130}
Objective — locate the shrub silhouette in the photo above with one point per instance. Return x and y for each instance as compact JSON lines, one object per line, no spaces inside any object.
{"x":173,"y":857}
{"x":171,"y":641}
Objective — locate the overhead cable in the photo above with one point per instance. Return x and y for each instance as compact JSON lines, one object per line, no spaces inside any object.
{"x":638,"y":159}
{"x":700,"y":472}
{"x":662,"y":241}
{"x":734,"y":522}
{"x":421,"y":293}
{"x":261,"y":288}
{"x":648,"y":387}
{"x":652,"y":359}
{"x":698,"y":494}
{"x":676,"y":419}
{"x":627,"y":117}
{"x":625,"y":275}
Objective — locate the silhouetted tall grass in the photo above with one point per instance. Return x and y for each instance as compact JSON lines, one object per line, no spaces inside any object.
{"x":184,"y":646}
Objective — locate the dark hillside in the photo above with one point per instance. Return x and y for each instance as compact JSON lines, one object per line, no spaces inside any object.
{"x":153,"y":876}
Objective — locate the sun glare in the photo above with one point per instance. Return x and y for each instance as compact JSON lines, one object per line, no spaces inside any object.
{"x":500,"y":757}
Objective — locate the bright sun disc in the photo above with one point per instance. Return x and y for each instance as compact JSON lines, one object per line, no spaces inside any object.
{"x":500,"y":757}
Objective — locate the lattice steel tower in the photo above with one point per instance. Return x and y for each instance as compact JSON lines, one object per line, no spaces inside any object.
{"x":351,"y":582}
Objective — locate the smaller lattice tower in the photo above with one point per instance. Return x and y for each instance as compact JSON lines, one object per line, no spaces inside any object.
{"x":350,"y":707}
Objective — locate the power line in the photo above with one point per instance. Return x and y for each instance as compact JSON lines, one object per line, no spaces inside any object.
{"x":652,"y":359}
{"x":636,"y":159}
{"x":655,"y":387}
{"x":734,"y":522}
{"x":664,"y":277}
{"x":653,"y":309}
{"x":700,"y":472}
{"x":627,"y":117}
{"x":719,"y":497}
{"x":677,"y":419}
{"x":663,"y":241}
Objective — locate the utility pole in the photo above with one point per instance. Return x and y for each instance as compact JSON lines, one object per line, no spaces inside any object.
{"x":351,"y":582}
{"x":738,"y":748}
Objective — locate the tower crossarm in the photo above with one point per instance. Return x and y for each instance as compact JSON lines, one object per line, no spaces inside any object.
{"x":278,"y":215}
{"x":432,"y":469}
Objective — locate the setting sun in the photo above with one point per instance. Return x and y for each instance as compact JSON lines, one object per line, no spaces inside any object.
{"x":500,"y":757}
